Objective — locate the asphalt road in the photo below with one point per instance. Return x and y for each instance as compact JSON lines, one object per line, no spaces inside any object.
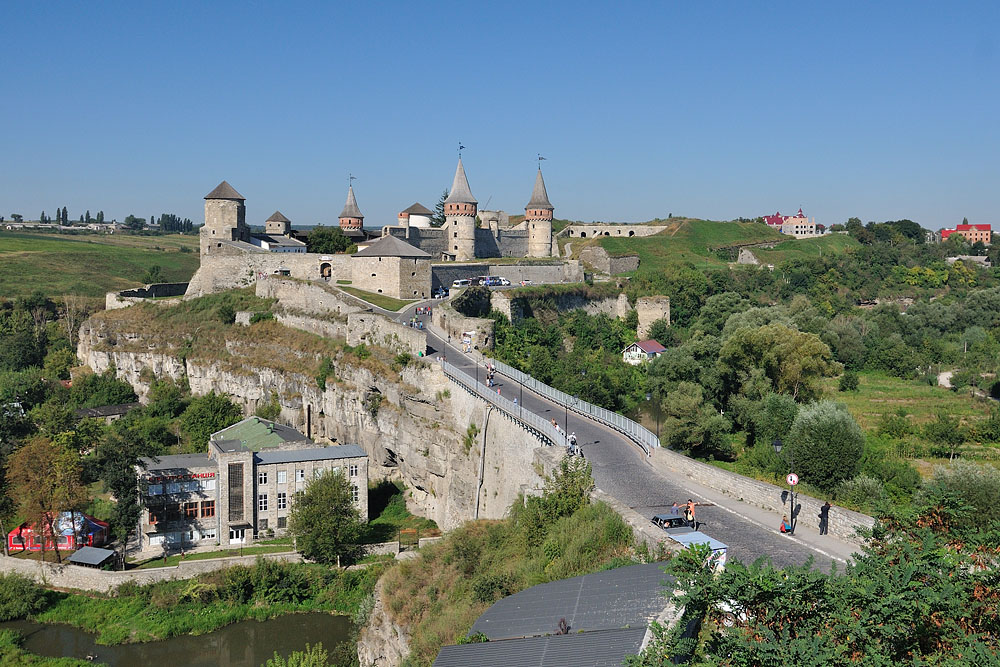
{"x":621,"y":470}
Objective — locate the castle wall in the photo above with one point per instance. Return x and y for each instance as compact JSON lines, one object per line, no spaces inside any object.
{"x":442,"y":275}
{"x":649,"y":309}
{"x":432,"y":241}
{"x":601,"y":261}
{"x":398,"y":277}
{"x":600,"y":229}
{"x":241,"y":268}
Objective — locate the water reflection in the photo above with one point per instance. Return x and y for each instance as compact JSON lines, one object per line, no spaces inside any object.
{"x":244,"y":644}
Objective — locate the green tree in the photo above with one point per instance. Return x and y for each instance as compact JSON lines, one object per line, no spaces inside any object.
{"x":91,"y":391}
{"x":154,"y":274}
{"x":947,"y":433}
{"x":207,"y":414}
{"x":115,"y":461}
{"x":20,"y":597}
{"x":848,"y":381}
{"x":825,"y":444}
{"x":58,"y":363}
{"x":328,"y":240}
{"x":660,"y":331}
{"x":691,"y":426}
{"x":438,"y":218}
{"x":53,"y":417}
{"x":327,"y":526}
{"x":134,"y":223}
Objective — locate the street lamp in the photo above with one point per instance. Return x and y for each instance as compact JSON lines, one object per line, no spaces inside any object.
{"x":777,"y":444}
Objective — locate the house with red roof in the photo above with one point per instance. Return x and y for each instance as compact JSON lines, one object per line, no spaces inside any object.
{"x":972,"y":233}
{"x":642,"y":351}
{"x":797,"y":225}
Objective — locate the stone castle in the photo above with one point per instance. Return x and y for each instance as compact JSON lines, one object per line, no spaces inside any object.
{"x":396,"y":264}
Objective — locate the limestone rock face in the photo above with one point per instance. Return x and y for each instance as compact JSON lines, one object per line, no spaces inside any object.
{"x":381,"y":641}
{"x":418,"y":431}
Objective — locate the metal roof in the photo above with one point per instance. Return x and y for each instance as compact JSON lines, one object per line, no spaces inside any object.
{"x":539,"y":197}
{"x":318,"y":454}
{"x":390,"y":246}
{"x":255,"y":433}
{"x":351,"y":209}
{"x":91,"y":556}
{"x":624,"y":597}
{"x":697,"y":537}
{"x":605,"y":648}
{"x":460,"y":191}
{"x":178,"y":462}
{"x":280,"y":240}
{"x":224,"y":191}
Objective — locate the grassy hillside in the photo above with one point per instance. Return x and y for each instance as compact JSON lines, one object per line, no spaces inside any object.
{"x":687,"y":241}
{"x":805,"y":248}
{"x":90,"y":265}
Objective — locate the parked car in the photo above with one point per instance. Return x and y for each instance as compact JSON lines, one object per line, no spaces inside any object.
{"x":525,"y":283}
{"x":504,"y":282}
{"x":678,"y":530}
{"x":672,"y":524}
{"x":463,"y":282}
{"x":441,"y":293}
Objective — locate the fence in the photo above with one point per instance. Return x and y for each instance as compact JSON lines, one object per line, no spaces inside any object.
{"x":537,"y":425}
{"x":641,"y":435}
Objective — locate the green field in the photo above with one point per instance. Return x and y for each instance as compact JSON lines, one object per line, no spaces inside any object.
{"x":89,"y":265}
{"x":805,"y":248}
{"x":686,"y":241}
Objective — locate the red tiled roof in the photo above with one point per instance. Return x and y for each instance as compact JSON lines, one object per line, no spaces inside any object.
{"x":651,"y":347}
{"x":969,"y":228}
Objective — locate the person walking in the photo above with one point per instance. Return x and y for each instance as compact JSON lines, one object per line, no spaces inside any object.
{"x":824,"y":518}
{"x":689,"y":514}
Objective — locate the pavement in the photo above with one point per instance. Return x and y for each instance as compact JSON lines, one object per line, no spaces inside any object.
{"x":646,"y":483}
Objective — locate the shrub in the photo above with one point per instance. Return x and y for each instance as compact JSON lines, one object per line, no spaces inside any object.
{"x":863,"y":492}
{"x":313,"y":656}
{"x":19,"y":597}
{"x":848,"y":381}
{"x":226,"y":314}
{"x":825,"y":444}
{"x":261,"y":317}
{"x":975,"y":486}
{"x":491,"y":587}
{"x":895,"y":424}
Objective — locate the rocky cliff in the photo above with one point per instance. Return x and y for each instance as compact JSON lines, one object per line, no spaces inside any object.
{"x":459,"y":458}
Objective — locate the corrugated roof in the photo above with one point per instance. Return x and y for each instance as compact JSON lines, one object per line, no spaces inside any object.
{"x":417,"y":209}
{"x":351,"y":209}
{"x":390,"y":246}
{"x":178,"y":461}
{"x":651,"y":347}
{"x":224,"y":191}
{"x":277,"y":217}
{"x":318,"y":454}
{"x":256,"y":433}
{"x":460,"y":191}
{"x":280,"y":240}
{"x":606,"y":648}
{"x":91,"y":556}
{"x":623,"y":597}
{"x":539,"y":196}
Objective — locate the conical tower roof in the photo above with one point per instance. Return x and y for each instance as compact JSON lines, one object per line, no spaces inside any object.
{"x":351,"y":209}
{"x":539,"y":197}
{"x":460,"y":192}
{"x":224,"y":191}
{"x":277,"y":217}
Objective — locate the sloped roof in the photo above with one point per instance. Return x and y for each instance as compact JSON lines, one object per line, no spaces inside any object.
{"x":224,"y":191}
{"x":317,"y":454}
{"x":539,"y":197}
{"x":606,"y":648}
{"x":390,"y":246}
{"x":279,"y":240}
{"x":969,"y":228}
{"x":351,"y":209}
{"x":277,"y":217}
{"x":178,"y":462}
{"x":650,"y":347}
{"x":460,"y":191}
{"x":91,"y":556}
{"x":255,"y":433}
{"x":417,"y":209}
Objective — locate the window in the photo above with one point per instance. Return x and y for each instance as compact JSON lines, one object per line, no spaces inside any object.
{"x":354,"y":470}
{"x":300,"y":475}
{"x":299,"y":494}
{"x":262,"y":524}
{"x":236,"y":492}
{"x":154,"y":517}
{"x":193,"y":485}
{"x":190,"y":510}
{"x":208,"y":534}
{"x":282,"y":500}
{"x":173,"y":487}
{"x":262,"y":478}
{"x":281,"y":477}
{"x":317,"y":472}
{"x":208,"y":485}
{"x":282,"y":522}
{"x":355,"y":493}
{"x":154,"y":489}
{"x":207,"y":508}
{"x":262,"y":502}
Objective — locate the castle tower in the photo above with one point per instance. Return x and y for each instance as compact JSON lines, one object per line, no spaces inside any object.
{"x":538,"y":215}
{"x":351,"y":219}
{"x":460,"y":217}
{"x":278,"y":225}
{"x":225,"y":218}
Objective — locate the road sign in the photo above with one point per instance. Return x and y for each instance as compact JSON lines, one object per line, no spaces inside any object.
{"x":792,"y":478}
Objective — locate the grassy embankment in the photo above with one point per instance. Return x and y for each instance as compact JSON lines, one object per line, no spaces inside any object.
{"x":805,"y":248}
{"x":439,"y":594}
{"x":12,"y":655}
{"x":213,"y":600}
{"x":380,"y":300}
{"x":90,"y":265}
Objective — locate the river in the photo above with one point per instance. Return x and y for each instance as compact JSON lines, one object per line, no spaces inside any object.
{"x":243,"y":644}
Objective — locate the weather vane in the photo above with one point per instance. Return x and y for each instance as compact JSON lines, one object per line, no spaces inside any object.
{"x":460,"y":148}
{"x":540,"y":158}
{"x":351,"y":178}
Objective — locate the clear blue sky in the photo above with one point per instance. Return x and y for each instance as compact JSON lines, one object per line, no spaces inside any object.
{"x":717,"y":110}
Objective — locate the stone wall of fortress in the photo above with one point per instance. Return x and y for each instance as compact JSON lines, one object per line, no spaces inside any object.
{"x":601,"y":229}
{"x":222,"y":271}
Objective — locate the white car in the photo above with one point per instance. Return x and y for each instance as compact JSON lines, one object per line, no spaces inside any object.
{"x":464,"y":282}
{"x":504,"y":281}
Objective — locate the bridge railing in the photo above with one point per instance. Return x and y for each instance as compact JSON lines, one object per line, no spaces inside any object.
{"x":540,"y":425}
{"x":639,"y":434}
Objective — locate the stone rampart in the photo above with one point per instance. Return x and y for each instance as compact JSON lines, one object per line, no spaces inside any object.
{"x":308,"y":297}
{"x":616,"y":231}
{"x":518,"y":306}
{"x":245,"y":267}
{"x":556,"y":271}
{"x":126,"y":298}
{"x":375,"y":329}
{"x":764,"y":495}
{"x":454,"y":324}
{"x":77,"y":577}
{"x":597,"y":257}
{"x":649,"y":309}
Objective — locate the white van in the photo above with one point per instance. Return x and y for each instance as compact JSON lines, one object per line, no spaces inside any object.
{"x":464,"y":282}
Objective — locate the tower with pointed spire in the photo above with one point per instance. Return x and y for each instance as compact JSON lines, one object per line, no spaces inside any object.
{"x":225,"y":218}
{"x":460,"y":217}
{"x":351,"y":219}
{"x":538,"y":216}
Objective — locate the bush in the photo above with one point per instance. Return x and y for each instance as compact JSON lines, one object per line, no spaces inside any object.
{"x":848,"y":381}
{"x":825,"y":444}
{"x":261,"y":317}
{"x":864,"y":492}
{"x":19,"y":597}
{"x":896,"y":425}
{"x":977,"y":487}
{"x":491,"y":587}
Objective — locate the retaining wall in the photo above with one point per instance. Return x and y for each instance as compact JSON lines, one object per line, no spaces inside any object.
{"x":601,"y":261}
{"x":556,"y":271}
{"x":454,"y":324}
{"x":126,"y":298}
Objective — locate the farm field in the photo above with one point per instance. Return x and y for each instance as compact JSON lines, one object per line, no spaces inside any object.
{"x":90,"y":265}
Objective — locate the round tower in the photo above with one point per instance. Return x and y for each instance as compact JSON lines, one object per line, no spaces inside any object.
{"x":538,"y":216}
{"x":460,"y":217}
{"x":225,"y":218}
{"x":351,"y":218}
